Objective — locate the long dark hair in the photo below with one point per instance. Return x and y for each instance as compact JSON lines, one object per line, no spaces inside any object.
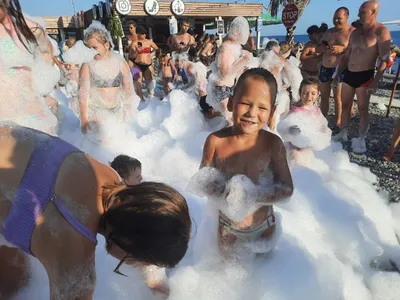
{"x":22,"y":29}
{"x":150,"y":222}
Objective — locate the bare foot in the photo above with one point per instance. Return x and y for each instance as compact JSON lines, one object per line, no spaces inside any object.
{"x":160,"y":287}
{"x":388,"y":156}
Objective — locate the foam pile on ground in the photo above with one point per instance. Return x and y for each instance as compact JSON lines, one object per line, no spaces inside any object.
{"x":331,"y":228}
{"x":314,"y":131}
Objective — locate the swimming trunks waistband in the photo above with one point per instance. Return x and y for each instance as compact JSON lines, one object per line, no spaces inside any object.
{"x":358,"y":79}
{"x":248,"y":234}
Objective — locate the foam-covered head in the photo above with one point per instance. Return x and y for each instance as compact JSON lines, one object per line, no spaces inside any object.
{"x":97,"y":37}
{"x":239,"y":30}
{"x":272,"y":45}
{"x":150,"y":224}
{"x":253,"y":101}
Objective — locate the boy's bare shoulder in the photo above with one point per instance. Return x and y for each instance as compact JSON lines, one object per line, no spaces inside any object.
{"x":220,"y":134}
{"x":272,"y":139}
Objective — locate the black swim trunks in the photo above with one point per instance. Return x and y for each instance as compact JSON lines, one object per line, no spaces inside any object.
{"x":358,"y":79}
{"x":326,"y":74}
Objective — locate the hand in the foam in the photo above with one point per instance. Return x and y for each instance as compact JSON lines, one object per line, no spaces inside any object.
{"x":208,"y":182}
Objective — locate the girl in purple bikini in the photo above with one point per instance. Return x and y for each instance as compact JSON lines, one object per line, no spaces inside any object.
{"x":55,"y":199}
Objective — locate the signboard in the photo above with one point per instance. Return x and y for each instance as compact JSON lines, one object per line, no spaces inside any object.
{"x":290,"y":15}
{"x":220,"y":27}
{"x":151,"y":7}
{"x":173,"y":26}
{"x":123,"y":7}
{"x":259,"y":24}
{"x":178,"y":7}
{"x":94,"y":11}
{"x":108,"y":8}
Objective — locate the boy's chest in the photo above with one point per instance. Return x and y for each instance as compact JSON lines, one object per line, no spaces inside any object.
{"x":250,"y":163}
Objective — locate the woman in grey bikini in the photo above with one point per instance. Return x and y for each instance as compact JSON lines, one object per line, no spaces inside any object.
{"x":106,"y":92}
{"x":55,"y":199}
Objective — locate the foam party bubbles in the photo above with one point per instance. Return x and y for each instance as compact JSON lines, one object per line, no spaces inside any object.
{"x":239,"y":29}
{"x":314,"y":132}
{"x":334,"y":224}
{"x":79,"y":54}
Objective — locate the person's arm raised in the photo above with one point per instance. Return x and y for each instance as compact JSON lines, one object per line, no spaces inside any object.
{"x":235,"y":68}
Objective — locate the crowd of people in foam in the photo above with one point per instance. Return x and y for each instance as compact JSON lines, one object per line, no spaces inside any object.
{"x":263,"y":111}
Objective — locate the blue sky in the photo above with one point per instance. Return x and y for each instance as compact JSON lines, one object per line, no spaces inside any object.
{"x":318,"y":11}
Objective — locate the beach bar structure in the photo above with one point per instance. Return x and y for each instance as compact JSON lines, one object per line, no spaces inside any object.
{"x":199,"y":14}
{"x":63,"y":27}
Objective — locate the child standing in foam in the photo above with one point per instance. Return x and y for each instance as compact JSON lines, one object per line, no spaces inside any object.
{"x":106,"y":92}
{"x":168,"y":71}
{"x":128,"y":168}
{"x":130,"y":171}
{"x":305,"y":128}
{"x":249,"y":170}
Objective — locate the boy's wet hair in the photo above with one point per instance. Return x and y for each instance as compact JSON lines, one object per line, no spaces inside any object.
{"x":309,"y":81}
{"x":150,"y":222}
{"x":259,"y":74}
{"x":125,"y":164}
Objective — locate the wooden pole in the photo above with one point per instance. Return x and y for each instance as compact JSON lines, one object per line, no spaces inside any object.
{"x":396,"y":79}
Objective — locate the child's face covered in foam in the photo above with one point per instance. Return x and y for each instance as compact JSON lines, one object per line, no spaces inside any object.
{"x":309,"y":95}
{"x":252,"y":107}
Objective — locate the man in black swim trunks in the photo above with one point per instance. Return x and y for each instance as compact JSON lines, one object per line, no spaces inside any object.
{"x":333,"y":45}
{"x":366,"y":44}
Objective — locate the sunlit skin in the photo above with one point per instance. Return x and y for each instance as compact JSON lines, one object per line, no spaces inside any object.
{"x":337,"y":38}
{"x":245,"y":148}
{"x":366,"y":45}
{"x":182,"y":41}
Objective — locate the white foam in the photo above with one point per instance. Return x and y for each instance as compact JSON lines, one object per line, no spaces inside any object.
{"x":334,"y":224}
{"x":79,"y":54}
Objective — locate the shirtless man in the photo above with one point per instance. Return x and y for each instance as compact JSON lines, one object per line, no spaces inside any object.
{"x":333,"y":45}
{"x":182,"y":41}
{"x":366,"y":44}
{"x":309,"y":57}
{"x":230,"y":62}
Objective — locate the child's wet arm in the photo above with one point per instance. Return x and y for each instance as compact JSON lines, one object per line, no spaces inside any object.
{"x":208,"y":152}
{"x":282,"y":187}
